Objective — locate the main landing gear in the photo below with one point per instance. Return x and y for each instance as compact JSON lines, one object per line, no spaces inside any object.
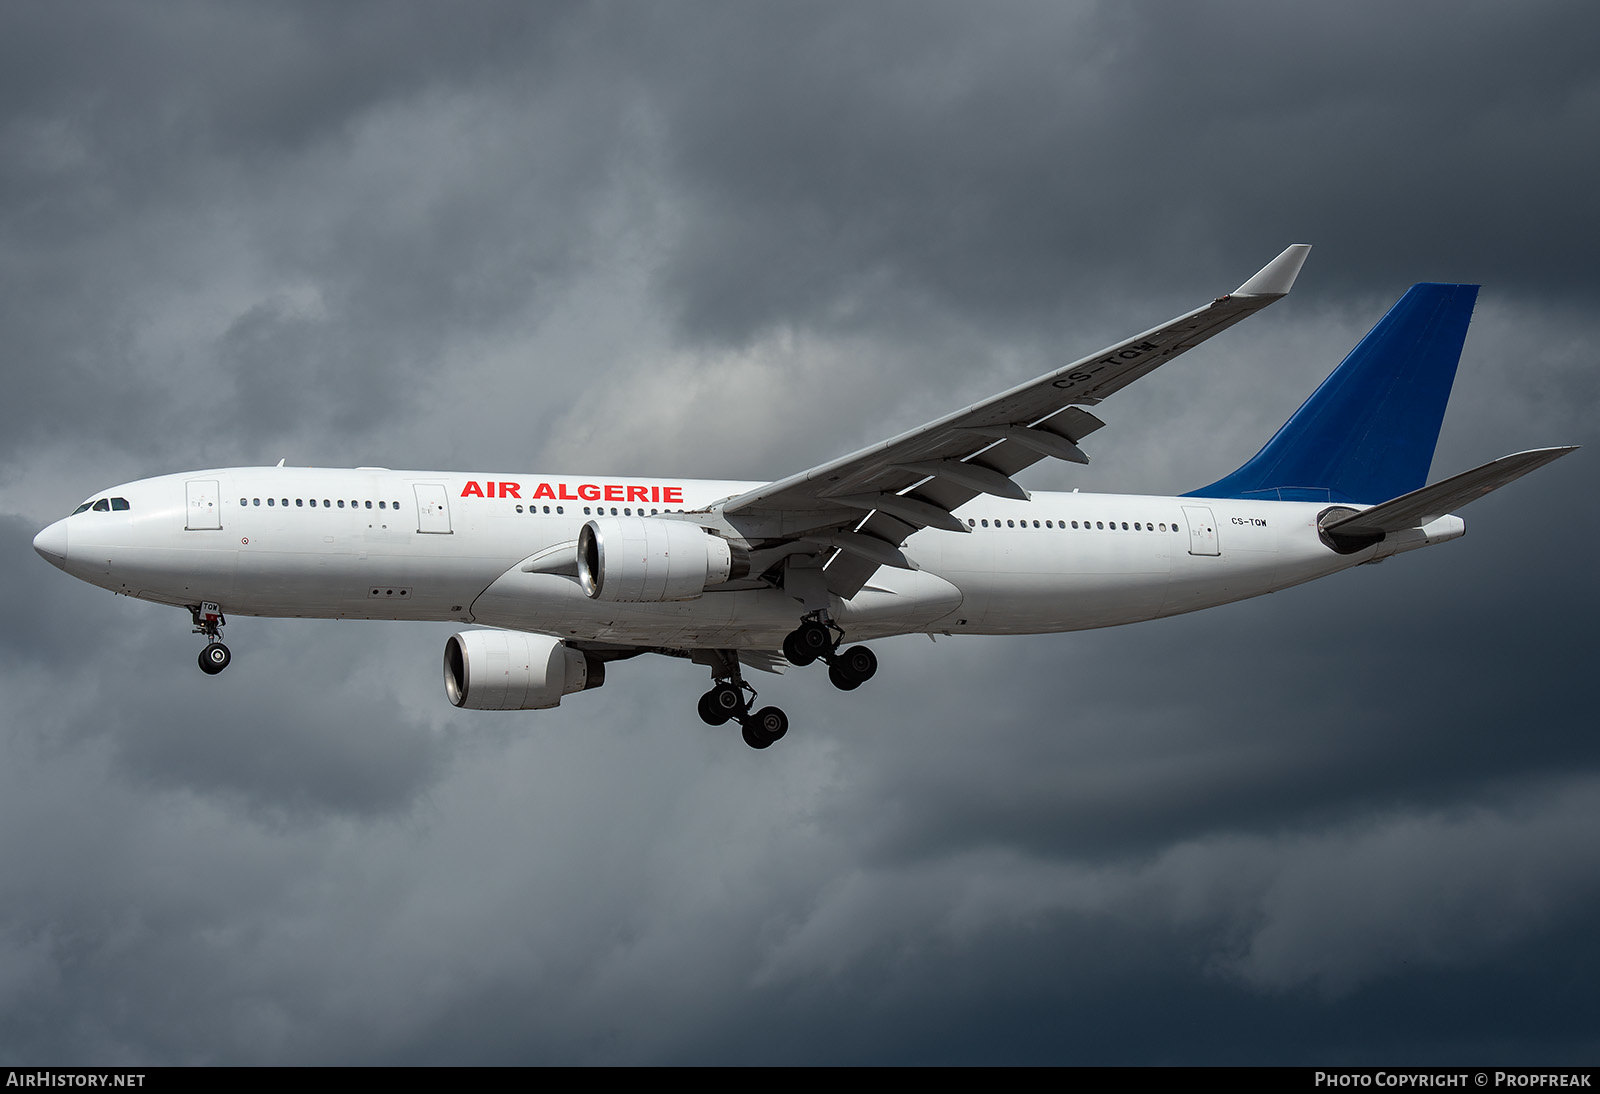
{"x":730,"y":697}
{"x":818,"y":638}
{"x":209,"y":621}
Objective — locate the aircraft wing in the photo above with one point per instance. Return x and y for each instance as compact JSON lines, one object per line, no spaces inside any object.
{"x":864,"y":505}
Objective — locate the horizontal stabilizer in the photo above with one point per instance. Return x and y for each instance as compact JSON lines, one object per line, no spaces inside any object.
{"x":1431,"y":502}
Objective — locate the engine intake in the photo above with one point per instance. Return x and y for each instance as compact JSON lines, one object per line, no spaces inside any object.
{"x":510,"y":670}
{"x":644,"y":560}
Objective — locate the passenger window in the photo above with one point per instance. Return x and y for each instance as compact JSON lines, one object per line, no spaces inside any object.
{"x":519,"y":509}
{"x":299,"y":503}
{"x":971,"y":523}
{"x":271,"y":501}
{"x":1036,"y":524}
{"x":369,"y":504}
{"x":383,"y":505}
{"x":244,"y":501}
{"x":341,"y":503}
{"x":559,"y":509}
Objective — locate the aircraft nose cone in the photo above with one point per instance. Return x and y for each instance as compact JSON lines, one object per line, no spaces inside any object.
{"x":52,"y":543}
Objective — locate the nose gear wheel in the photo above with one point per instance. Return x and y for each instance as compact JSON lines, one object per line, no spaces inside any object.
{"x":214,"y":658}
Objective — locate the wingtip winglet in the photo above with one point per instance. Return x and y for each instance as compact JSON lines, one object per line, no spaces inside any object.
{"x":1276,"y":278}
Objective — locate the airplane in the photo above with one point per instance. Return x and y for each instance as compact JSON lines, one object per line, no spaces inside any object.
{"x":927,"y":532}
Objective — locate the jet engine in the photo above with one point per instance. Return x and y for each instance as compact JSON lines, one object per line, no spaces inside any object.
{"x":509,"y":670}
{"x":644,"y":560}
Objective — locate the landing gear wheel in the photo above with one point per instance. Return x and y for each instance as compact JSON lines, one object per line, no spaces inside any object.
{"x":807,"y":642}
{"x":772,"y":722}
{"x":765,"y":726}
{"x":842,"y":679}
{"x":859,"y":663}
{"x":214,"y":658}
{"x":721,"y":703}
{"x":709,"y":714}
{"x":794,"y":651}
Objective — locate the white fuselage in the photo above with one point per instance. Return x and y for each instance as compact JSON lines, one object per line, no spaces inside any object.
{"x":381,"y":544}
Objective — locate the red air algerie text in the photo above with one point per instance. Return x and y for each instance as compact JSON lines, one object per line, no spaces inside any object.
{"x":588,"y":491}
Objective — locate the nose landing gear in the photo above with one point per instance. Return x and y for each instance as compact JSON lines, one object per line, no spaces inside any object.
{"x":214,"y":658}
{"x":209,"y":621}
{"x":818,"y":638}
{"x":730,"y":698}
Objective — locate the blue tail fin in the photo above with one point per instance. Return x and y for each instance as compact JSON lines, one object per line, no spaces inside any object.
{"x":1367,"y":434}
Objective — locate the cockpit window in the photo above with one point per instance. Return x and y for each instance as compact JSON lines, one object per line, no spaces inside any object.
{"x":119,"y":505}
{"x":82,"y":508}
{"x":102,"y":506}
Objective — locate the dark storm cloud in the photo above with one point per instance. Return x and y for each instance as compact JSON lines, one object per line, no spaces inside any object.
{"x":202,"y":165}
{"x":1353,"y":821}
{"x":1006,"y":162}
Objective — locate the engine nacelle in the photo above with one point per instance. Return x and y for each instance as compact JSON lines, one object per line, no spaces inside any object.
{"x":644,"y":560}
{"x":509,"y":670}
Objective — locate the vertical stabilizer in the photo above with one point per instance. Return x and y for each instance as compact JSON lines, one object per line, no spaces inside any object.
{"x":1367,"y":434}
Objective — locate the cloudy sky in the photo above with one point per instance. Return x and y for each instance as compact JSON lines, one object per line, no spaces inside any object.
{"x":1353,"y":822}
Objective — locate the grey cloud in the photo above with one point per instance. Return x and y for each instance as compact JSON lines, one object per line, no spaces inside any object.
{"x":1062,"y":151}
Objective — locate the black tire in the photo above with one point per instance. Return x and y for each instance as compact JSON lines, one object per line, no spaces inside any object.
{"x":727,"y":700}
{"x":771,"y":723}
{"x":796,"y":652}
{"x":841,"y":679}
{"x":214,"y":658}
{"x":709,"y":714}
{"x":813,"y":640}
{"x":751,"y":732}
{"x":860,"y":664}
